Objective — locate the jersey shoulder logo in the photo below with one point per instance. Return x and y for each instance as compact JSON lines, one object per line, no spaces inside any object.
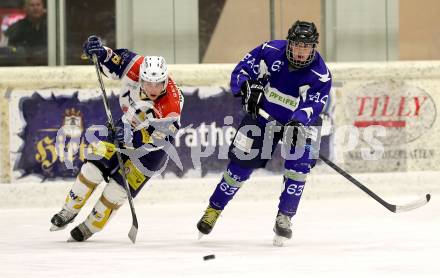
{"x":116,"y":59}
{"x":266,"y":44}
{"x":323,"y":77}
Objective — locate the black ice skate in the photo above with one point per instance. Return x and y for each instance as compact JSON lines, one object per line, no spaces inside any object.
{"x":61,"y":219}
{"x":80,"y":233}
{"x":208,"y":220}
{"x":282,"y":229}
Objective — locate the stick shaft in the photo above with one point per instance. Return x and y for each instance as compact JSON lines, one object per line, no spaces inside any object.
{"x":134,"y":228}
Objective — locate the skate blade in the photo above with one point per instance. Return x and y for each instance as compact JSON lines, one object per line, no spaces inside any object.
{"x":279,"y":240}
{"x":71,"y":239}
{"x":54,"y":228}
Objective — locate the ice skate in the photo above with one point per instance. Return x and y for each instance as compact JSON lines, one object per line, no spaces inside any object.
{"x":282,"y":229}
{"x":62,"y":219}
{"x":207,"y":222}
{"x":80,"y":233}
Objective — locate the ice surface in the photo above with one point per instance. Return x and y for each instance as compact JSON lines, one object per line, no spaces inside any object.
{"x":349,"y":236}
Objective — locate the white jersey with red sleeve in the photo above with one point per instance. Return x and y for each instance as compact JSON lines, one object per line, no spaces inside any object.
{"x":125,"y":65}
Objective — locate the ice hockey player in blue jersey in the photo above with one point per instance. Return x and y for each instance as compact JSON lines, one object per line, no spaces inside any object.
{"x":289,"y":80}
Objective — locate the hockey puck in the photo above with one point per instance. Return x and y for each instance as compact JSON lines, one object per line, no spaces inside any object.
{"x":209,"y":257}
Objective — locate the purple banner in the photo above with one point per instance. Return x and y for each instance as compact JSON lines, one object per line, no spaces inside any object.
{"x":43,"y":118}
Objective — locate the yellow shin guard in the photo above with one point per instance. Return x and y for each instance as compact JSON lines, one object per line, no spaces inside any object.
{"x":111,"y":200}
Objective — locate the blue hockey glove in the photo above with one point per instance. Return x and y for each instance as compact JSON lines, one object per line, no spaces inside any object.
{"x":252,"y":92}
{"x":93,"y":45}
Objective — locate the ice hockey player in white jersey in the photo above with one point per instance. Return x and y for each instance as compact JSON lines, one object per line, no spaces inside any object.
{"x":148,"y":96}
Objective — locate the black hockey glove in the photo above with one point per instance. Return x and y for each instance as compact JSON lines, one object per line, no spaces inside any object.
{"x":93,"y":45}
{"x":118,"y":134}
{"x":252,"y":92}
{"x":308,"y":134}
{"x":300,"y":129}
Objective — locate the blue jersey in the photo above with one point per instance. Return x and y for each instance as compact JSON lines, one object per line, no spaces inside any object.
{"x":289,"y":94}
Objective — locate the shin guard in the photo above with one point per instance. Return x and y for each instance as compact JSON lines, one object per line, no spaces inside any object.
{"x":232,"y":180}
{"x":294,"y":183}
{"x":112,"y":198}
{"x":86,"y":182}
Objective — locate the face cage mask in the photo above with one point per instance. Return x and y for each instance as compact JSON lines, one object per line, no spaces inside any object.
{"x":298,"y":64}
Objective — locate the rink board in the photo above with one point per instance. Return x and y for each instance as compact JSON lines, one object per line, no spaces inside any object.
{"x":400,"y":96}
{"x":393,"y":187}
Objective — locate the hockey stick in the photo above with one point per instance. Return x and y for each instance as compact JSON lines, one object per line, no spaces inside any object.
{"x":134,"y":228}
{"x":390,"y":207}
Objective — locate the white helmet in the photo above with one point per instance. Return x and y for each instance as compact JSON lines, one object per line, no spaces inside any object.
{"x":154,"y":69}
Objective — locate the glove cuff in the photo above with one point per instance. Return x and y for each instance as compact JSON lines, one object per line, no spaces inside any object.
{"x":244,"y":87}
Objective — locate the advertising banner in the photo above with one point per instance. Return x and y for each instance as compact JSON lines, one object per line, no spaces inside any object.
{"x":387,"y":126}
{"x":36,"y":118}
{"x":40,"y":118}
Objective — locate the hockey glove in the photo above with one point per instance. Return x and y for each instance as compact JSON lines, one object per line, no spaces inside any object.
{"x":308,"y":135}
{"x":252,"y":92}
{"x":118,"y":135}
{"x":299,"y":128}
{"x":93,"y":45}
{"x":162,"y":131}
